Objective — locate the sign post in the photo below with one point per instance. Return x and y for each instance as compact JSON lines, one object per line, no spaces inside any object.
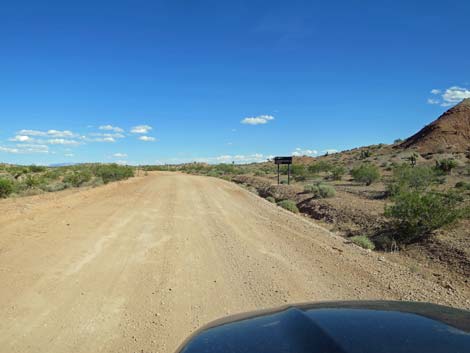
{"x":283,"y":160}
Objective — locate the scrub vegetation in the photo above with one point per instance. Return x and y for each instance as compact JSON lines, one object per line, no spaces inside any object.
{"x":30,"y":180}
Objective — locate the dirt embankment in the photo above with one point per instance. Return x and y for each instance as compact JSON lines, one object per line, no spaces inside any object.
{"x":350,"y":214}
{"x":344,"y":213}
{"x":137,"y":266}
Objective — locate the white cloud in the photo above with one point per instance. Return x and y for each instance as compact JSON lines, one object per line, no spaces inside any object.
{"x":147,"y":138}
{"x":304,"y":152}
{"x":455,"y":94}
{"x":69,"y":155}
{"x":141,"y":129}
{"x":32,"y":133}
{"x":26,"y":148}
{"x":115,"y":135}
{"x":122,"y":162}
{"x":33,"y":148}
{"x":104,"y":139}
{"x":58,"y":133}
{"x":111,"y":128}
{"x":51,"y":133}
{"x":330,"y":151}
{"x":120,"y":155}
{"x":9,"y":150}
{"x":62,"y":142}
{"x":433,"y":101}
{"x":238,"y":158}
{"x":258,"y":120}
{"x":21,"y":138}
{"x":451,"y":96}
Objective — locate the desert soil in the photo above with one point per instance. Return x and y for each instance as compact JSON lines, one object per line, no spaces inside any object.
{"x":136,"y":266}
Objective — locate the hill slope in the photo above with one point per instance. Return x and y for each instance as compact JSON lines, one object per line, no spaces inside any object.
{"x":450,"y":132}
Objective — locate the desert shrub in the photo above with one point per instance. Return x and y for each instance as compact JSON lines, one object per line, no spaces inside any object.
{"x":416,"y":214}
{"x":462,"y":185}
{"x":337,"y":172}
{"x":320,"y":191}
{"x":289,"y":205}
{"x":413,"y":158}
{"x":271,"y":199}
{"x":365,"y":154}
{"x":446,"y":165}
{"x":398,"y":140}
{"x":17,"y":171}
{"x":78,"y":177}
{"x":366,"y":173}
{"x":320,"y":166}
{"x":363,"y":241}
{"x":299,"y":171}
{"x":260,"y":173}
{"x":52,"y":174}
{"x":224,"y":168}
{"x":215,"y":173}
{"x":113,"y":172}
{"x":37,"y":168}
{"x":55,"y":186}
{"x":32,"y":181}
{"x":6,"y":187}
{"x":406,"y":178}
{"x":283,"y":182}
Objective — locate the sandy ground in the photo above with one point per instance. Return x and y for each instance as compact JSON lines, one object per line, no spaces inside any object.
{"x":136,"y":266}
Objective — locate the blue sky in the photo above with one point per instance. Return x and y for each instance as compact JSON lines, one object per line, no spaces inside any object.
{"x":174,"y":81}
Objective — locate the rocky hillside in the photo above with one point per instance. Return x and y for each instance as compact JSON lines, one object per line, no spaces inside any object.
{"x":449,"y":133}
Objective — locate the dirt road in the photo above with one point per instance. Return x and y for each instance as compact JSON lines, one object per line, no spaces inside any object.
{"x":136,"y":266}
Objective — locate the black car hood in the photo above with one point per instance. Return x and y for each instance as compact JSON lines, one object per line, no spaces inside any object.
{"x":342,"y":327}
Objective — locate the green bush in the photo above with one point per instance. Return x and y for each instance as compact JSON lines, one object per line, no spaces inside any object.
{"x":17,"y":171}
{"x":6,"y":187}
{"x":289,"y":205}
{"x":446,"y":165}
{"x":320,"y":166}
{"x":55,"y":186}
{"x":413,"y":158}
{"x":36,"y":168}
{"x":113,"y":172}
{"x":271,"y":199}
{"x":224,"y":168}
{"x":32,"y":181}
{"x":320,"y":191}
{"x":299,"y":172}
{"x":462,"y":185}
{"x":365,"y":154}
{"x":416,"y":214}
{"x":366,"y":174}
{"x":406,"y":178}
{"x":363,"y":242}
{"x":337,"y":172}
{"x":78,"y":177}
